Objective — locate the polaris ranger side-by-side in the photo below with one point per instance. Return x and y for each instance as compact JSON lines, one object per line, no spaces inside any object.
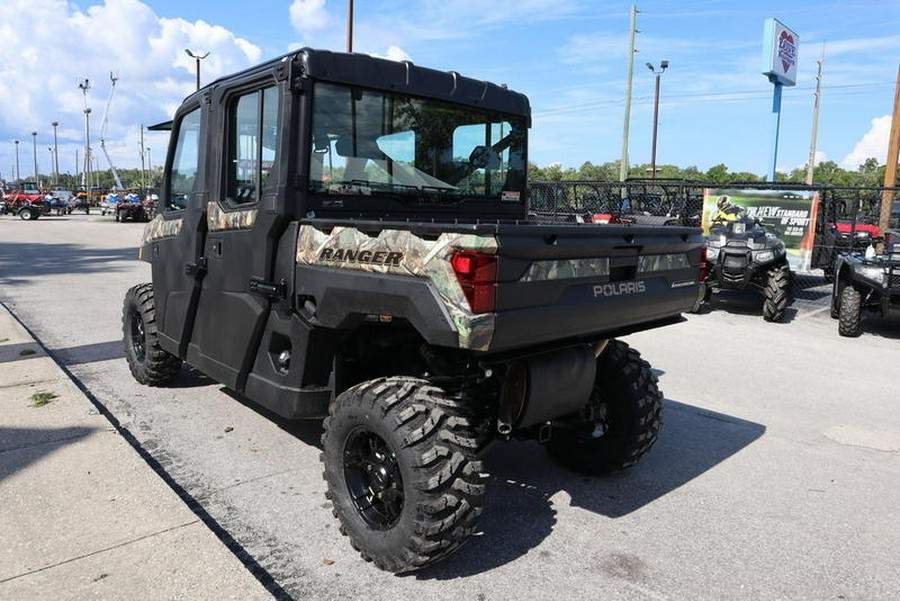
{"x":346,"y":237}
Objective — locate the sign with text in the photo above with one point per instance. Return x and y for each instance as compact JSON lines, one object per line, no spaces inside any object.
{"x":780,"y":46}
{"x":789,"y":214}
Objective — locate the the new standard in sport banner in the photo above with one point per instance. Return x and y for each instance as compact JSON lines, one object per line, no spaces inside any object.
{"x":789,"y":214}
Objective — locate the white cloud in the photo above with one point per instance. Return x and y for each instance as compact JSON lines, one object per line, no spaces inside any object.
{"x":394,"y":53}
{"x":310,"y":16}
{"x":873,"y":144}
{"x":49,"y":46}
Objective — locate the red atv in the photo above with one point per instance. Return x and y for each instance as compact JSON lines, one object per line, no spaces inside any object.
{"x":28,"y":204}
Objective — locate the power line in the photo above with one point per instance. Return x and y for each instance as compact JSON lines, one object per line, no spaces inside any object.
{"x":846,"y":89}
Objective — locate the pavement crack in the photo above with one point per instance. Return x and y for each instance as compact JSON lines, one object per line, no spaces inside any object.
{"x":98,"y":551}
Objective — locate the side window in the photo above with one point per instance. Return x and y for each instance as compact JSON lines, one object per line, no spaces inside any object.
{"x":253,"y":144}
{"x":185,"y":162}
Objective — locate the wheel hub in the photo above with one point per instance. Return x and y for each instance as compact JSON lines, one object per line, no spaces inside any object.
{"x":137,"y":335}
{"x":373,"y":479}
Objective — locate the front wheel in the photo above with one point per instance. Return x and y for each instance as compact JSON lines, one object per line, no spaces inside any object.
{"x":399,"y":462}
{"x":148,"y":362}
{"x":622,"y":420}
{"x":26,"y":214}
{"x":778,"y":285}
{"x":849,"y":312}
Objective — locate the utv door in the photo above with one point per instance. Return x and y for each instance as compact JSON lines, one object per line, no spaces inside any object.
{"x":242,"y":225}
{"x":176,"y":235}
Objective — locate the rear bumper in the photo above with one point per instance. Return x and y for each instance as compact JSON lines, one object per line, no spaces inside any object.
{"x":606,"y":317}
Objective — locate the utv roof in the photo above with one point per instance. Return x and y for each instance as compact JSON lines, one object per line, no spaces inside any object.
{"x":394,"y":76}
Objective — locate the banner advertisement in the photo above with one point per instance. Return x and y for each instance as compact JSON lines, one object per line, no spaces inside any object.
{"x":788,"y":214}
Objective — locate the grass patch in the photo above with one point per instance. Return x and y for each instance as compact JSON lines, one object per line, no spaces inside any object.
{"x":26,"y":352}
{"x":2,"y":340}
{"x":41,"y":398}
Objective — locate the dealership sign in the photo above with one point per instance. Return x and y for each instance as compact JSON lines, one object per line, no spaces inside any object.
{"x":780,"y":46}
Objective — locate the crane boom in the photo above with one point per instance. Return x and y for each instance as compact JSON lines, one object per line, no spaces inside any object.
{"x":113,"y":78}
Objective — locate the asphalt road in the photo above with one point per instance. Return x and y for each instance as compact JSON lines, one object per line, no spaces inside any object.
{"x":777,"y":474}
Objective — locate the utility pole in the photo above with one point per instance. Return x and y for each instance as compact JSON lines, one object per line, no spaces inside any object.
{"x":18,"y":179}
{"x":349,"y":25}
{"x":811,"y":165}
{"x":623,"y":165}
{"x":893,"y":155}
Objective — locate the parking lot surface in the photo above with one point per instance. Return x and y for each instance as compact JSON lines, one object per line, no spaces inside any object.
{"x":776,"y":475}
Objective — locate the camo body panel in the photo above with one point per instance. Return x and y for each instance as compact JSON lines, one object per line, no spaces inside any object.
{"x":219,"y":220}
{"x":421,"y":258}
{"x":160,"y":228}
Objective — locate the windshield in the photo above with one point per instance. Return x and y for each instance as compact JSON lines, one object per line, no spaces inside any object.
{"x":371,"y":143}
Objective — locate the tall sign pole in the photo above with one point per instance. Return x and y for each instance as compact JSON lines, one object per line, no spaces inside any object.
{"x":623,"y":165}
{"x":780,"y":46}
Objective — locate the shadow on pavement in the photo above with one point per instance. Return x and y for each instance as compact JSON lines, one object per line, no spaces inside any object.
{"x":26,"y":259}
{"x":519,"y":505}
{"x":20,"y":447}
{"x":89,"y":353}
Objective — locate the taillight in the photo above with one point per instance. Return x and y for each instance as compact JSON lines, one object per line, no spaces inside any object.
{"x":702,"y":273}
{"x":477,"y":273}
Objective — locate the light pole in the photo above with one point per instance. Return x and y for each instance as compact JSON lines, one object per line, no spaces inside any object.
{"x":17,"y":162}
{"x":658,"y":73}
{"x":87,"y":151}
{"x":55,"y":124}
{"x":86,"y":174}
{"x":198,"y":58}
{"x":349,"y":26}
{"x":34,"y":150}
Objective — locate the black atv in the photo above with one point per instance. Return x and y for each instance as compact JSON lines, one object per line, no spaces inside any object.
{"x":866,"y":280}
{"x":741,"y":254}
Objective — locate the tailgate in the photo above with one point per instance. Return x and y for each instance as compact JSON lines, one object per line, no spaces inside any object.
{"x":556,"y":283}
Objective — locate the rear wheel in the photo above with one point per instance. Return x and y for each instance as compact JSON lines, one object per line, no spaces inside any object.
{"x":26,"y":214}
{"x":148,"y":362}
{"x":399,"y":462}
{"x":778,"y":286}
{"x":849,"y":312}
{"x":622,"y":420}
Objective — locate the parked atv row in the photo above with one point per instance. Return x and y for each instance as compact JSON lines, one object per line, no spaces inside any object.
{"x":866,"y":281}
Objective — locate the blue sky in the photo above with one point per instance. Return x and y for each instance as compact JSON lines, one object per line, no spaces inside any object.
{"x":568,"y":56}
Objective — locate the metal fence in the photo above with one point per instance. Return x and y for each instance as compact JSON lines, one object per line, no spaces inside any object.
{"x":846,"y":217}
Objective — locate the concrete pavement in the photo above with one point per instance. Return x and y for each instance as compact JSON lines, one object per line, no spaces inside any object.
{"x":82,"y":514}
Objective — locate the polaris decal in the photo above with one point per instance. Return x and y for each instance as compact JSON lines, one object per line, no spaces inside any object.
{"x":620,"y":288}
{"x":347,"y":255}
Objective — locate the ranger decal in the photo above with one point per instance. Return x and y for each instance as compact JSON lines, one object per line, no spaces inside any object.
{"x":347,"y":255}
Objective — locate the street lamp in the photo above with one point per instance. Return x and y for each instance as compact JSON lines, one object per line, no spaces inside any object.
{"x":17,"y":162}
{"x":34,"y":149}
{"x":349,"y":26}
{"x":55,"y":124}
{"x":198,"y":58}
{"x":87,"y":151}
{"x":658,"y":73}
